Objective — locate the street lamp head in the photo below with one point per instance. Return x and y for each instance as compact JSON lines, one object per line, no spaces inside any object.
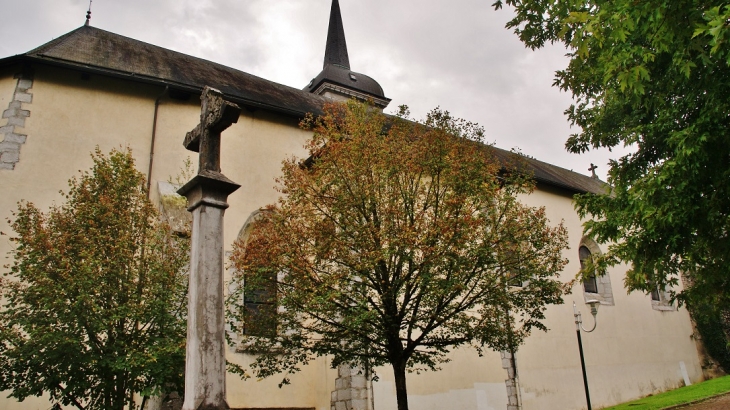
{"x":593,"y":303}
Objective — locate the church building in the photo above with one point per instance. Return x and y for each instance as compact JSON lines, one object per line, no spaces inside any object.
{"x":92,"y":87}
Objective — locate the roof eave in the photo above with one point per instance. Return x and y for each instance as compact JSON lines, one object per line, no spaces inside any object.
{"x":327,"y":80}
{"x":573,"y":189}
{"x":4,"y":62}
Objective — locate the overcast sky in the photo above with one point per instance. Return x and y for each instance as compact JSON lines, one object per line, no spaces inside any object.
{"x":454,"y":54}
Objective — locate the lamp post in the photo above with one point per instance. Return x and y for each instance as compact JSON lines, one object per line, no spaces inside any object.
{"x":578,"y":327}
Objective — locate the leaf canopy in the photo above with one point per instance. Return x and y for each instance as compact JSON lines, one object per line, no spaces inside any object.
{"x":652,"y":75}
{"x":394,"y":243}
{"x":96,"y":295}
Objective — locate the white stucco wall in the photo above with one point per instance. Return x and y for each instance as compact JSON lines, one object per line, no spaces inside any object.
{"x":7,"y":85}
{"x":634,"y":351}
{"x":467,"y":382}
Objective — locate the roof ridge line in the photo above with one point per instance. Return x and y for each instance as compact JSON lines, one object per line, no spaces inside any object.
{"x":39,"y":52}
{"x":54,"y":42}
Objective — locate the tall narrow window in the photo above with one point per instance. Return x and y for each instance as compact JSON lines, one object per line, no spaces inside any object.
{"x":515,"y":276}
{"x":259,"y":299}
{"x":590,"y":284}
{"x":259,"y":293}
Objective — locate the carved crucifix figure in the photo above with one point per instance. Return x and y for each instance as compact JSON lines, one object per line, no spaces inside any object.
{"x":207,"y":194}
{"x":216,"y":115}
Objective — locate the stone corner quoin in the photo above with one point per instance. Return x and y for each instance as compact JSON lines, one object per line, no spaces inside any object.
{"x":15,"y":115}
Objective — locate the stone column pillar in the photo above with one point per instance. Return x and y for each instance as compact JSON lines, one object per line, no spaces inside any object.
{"x":205,"y":363}
{"x":353,"y":389}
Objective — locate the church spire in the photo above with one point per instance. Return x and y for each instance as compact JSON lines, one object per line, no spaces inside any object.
{"x":88,"y":14}
{"x":336,"y":52}
{"x":337,"y":81}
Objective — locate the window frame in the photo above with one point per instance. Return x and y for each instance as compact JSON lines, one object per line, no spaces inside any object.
{"x":661,"y":300}
{"x":602,"y":280}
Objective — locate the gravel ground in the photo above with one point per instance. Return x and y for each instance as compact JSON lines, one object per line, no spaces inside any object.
{"x":717,"y":403}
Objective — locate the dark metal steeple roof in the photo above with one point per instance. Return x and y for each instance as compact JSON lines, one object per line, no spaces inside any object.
{"x":336,"y":51}
{"x":336,"y":75}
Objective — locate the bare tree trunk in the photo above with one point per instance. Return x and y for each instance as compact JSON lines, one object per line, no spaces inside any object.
{"x":401,"y":392}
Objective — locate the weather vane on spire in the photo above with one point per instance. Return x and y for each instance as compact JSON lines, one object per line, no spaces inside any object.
{"x":88,"y":14}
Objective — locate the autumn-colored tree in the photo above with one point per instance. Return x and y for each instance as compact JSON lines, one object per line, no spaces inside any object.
{"x":95,"y":300}
{"x":394,"y":243}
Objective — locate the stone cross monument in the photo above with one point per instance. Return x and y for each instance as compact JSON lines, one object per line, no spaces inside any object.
{"x":207,"y":192}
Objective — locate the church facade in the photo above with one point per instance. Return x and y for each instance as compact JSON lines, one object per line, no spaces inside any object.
{"x":92,"y":88}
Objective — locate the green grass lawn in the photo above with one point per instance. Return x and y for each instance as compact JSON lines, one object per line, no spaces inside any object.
{"x":678,"y":396}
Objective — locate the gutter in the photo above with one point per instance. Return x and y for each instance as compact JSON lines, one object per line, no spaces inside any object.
{"x":152,"y":143}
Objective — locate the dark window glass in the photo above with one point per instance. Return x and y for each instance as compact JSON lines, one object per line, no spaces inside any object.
{"x":515,"y":280}
{"x":259,"y":299}
{"x":589,"y":283}
{"x":655,"y":295}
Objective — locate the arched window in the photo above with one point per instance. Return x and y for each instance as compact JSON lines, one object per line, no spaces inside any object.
{"x":259,"y":299}
{"x":597,"y":285}
{"x":589,"y":282}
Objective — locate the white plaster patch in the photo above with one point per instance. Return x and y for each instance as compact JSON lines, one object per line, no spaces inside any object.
{"x":484,"y":396}
{"x":490,"y":396}
{"x":167,"y":189}
{"x":685,"y":376}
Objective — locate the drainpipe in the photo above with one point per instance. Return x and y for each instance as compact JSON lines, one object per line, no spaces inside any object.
{"x":152,"y":144}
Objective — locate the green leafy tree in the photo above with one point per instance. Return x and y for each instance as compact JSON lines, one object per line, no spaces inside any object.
{"x":653,"y":75}
{"x":95,"y":300}
{"x":394,"y":247}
